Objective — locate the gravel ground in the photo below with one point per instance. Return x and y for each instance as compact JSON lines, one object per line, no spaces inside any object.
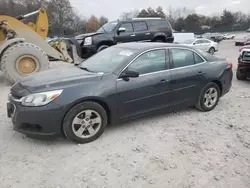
{"x":184,"y":149}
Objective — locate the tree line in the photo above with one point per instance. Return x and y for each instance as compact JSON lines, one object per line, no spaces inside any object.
{"x":184,"y":19}
{"x":65,"y":20}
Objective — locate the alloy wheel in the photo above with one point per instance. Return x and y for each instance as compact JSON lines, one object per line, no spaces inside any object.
{"x":86,"y":124}
{"x":210,"y":97}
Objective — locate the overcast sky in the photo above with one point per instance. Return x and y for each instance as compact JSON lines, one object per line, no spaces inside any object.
{"x":113,"y":8}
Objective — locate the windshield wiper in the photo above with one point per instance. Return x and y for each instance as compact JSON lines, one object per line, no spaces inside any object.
{"x":86,"y":69}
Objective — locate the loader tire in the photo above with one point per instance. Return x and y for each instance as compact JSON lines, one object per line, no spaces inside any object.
{"x":23,"y":59}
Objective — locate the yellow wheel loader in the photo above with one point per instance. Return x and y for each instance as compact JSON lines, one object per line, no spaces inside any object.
{"x":24,"y":50}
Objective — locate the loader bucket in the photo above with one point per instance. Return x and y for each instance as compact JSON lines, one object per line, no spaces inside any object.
{"x":30,"y":36}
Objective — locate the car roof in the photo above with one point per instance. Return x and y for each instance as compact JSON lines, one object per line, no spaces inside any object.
{"x":149,"y":45}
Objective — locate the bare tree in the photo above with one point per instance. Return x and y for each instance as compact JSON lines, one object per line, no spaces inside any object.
{"x":129,"y":15}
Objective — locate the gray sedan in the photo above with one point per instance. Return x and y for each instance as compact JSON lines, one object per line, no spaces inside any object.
{"x":118,"y":83}
{"x":203,"y":44}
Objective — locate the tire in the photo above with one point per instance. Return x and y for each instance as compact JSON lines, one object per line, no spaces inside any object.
{"x":159,"y":40}
{"x":211,"y":51}
{"x":102,"y":47}
{"x":80,"y":110}
{"x":14,"y":53}
{"x":240,"y":76}
{"x":201,"y":103}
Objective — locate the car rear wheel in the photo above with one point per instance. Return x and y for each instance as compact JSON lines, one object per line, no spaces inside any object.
{"x":211,"y":50}
{"x":85,"y":122}
{"x":240,"y":76}
{"x":209,"y":97}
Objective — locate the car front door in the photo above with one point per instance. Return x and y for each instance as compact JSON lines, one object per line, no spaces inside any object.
{"x":150,"y":90}
{"x":126,"y":36}
{"x":141,"y":31}
{"x":187,"y":75}
{"x":198,"y":44}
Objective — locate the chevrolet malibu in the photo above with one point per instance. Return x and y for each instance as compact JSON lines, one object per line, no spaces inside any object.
{"x":119,"y":83}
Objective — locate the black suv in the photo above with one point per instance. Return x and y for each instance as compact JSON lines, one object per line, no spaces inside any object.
{"x":139,"y":29}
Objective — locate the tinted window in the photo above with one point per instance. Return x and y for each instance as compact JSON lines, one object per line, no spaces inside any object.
{"x":182,"y":58}
{"x":128,"y":27}
{"x":152,"y":61}
{"x":197,"y":58}
{"x":161,"y":23}
{"x":140,"y":26}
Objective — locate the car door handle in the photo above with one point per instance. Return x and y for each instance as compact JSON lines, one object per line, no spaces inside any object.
{"x":147,"y":33}
{"x":132,"y":35}
{"x":200,"y":73}
{"x":162,"y":82}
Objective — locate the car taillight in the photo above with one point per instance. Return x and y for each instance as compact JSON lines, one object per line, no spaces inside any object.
{"x":230,"y":64}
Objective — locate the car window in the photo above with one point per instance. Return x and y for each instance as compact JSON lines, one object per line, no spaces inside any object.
{"x":128,"y":27}
{"x":149,"y":62}
{"x":198,"y":42}
{"x":182,"y":58}
{"x":197,"y":59}
{"x":140,"y":26}
{"x":205,"y":41}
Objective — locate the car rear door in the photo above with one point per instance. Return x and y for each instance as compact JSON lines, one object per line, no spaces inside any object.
{"x":150,"y":90}
{"x":128,"y":35}
{"x":141,"y":31}
{"x":187,"y":76}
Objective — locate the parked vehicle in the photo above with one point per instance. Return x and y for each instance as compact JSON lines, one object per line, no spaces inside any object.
{"x":203,"y":44}
{"x":216,"y":37}
{"x":243,"y":69}
{"x":119,"y":83}
{"x":242,"y":42}
{"x":248,"y":30}
{"x":182,"y":37}
{"x":112,"y":33}
{"x":228,"y":36}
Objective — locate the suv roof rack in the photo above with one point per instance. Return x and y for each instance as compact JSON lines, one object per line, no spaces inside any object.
{"x":148,"y":18}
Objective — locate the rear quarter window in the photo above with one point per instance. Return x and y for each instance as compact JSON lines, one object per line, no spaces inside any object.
{"x":159,"y":24}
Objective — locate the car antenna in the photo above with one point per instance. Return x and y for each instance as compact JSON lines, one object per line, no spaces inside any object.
{"x":100,"y":26}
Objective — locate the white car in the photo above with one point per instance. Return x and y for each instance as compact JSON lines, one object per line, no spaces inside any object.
{"x":203,"y":44}
{"x":229,"y":36}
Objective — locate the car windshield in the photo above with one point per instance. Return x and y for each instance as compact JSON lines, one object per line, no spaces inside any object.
{"x":190,"y":41}
{"x":107,"y":60}
{"x":108,"y":27}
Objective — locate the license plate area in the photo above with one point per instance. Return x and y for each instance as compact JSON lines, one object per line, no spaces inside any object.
{"x":10,"y":109}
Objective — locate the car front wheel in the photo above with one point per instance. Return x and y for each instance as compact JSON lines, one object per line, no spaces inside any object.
{"x":209,"y":97}
{"x":85,"y":122}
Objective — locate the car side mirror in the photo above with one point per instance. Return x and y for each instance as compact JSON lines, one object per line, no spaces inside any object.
{"x":121,"y":30}
{"x":129,"y":74}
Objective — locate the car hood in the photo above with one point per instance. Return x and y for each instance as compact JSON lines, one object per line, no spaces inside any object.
{"x":57,"y":79}
{"x":82,"y":36}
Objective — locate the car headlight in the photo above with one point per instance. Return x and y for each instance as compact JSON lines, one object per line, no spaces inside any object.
{"x":88,"y":41}
{"x":40,"y":99}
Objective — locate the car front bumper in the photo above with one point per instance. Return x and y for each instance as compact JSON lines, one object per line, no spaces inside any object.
{"x":35,"y":121}
{"x":88,"y":51}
